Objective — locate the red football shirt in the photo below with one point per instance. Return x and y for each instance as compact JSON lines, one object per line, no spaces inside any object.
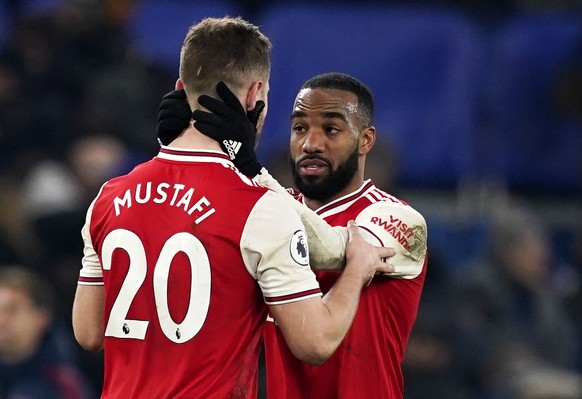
{"x":368,"y":362}
{"x":189,"y":251}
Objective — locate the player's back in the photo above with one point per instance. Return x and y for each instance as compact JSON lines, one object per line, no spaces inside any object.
{"x":183,"y":313}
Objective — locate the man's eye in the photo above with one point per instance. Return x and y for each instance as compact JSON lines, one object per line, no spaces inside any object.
{"x":298,"y":129}
{"x":332,"y":130}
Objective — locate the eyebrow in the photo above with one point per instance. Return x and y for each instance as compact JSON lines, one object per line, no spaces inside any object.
{"x":327,"y":115}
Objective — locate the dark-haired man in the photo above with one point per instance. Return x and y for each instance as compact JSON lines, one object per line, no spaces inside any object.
{"x":331,"y":133}
{"x":183,"y":254}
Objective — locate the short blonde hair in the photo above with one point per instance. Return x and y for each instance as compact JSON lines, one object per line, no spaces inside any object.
{"x":229,"y":49}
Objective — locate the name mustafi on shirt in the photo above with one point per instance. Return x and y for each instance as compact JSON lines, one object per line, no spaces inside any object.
{"x":172,"y":194}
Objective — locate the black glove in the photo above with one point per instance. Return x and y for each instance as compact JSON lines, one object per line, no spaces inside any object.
{"x":173,"y":116}
{"x":232,"y":127}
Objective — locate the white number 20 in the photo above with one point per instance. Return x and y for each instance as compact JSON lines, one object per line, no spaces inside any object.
{"x":119,"y":325}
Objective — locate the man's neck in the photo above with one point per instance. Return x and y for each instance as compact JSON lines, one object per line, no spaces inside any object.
{"x":192,"y":139}
{"x":350,"y":188}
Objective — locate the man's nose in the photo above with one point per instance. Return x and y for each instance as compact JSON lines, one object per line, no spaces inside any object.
{"x":314,"y":141}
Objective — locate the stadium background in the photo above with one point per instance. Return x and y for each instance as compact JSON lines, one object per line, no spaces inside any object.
{"x":479,"y":114}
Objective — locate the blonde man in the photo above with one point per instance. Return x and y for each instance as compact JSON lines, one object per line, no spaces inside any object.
{"x":184,"y":256}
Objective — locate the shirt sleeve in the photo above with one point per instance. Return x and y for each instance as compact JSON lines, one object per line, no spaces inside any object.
{"x":91,"y":272}
{"x":275,"y":251}
{"x":327,"y":243}
{"x":397,"y":225}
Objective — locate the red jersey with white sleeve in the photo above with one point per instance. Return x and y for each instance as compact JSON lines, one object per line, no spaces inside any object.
{"x":367,"y":364}
{"x":190,"y":251}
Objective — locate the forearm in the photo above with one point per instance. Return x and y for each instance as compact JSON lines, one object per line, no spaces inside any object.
{"x":314,"y":328}
{"x":341,"y":303}
{"x":88,"y":313}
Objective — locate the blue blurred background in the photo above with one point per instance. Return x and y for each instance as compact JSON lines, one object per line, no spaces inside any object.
{"x":479,"y":114}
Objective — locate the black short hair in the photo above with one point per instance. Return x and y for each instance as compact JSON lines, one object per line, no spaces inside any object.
{"x":343,"y":81}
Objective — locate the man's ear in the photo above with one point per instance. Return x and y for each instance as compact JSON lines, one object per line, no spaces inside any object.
{"x":252,"y":95}
{"x":179,"y":85}
{"x":367,"y":140}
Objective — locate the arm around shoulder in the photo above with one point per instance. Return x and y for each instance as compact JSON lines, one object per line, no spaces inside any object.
{"x":327,"y":244}
{"x":313,"y":328}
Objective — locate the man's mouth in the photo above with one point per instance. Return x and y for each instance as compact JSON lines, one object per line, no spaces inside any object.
{"x":313,"y":167}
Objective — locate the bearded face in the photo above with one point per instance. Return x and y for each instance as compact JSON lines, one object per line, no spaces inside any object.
{"x":329,"y":184}
{"x":326,"y":143}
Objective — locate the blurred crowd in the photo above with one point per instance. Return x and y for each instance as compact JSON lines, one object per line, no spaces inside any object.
{"x":501,"y":314}
{"x":77,"y":106}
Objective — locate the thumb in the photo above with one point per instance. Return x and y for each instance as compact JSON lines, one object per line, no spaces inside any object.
{"x":353,"y":229}
{"x":253,"y":114}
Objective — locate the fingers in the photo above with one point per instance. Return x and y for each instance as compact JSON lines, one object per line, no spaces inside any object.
{"x":382,"y":253}
{"x":206,"y":118}
{"x":384,"y":267}
{"x":230,"y":106}
{"x":353,"y":229}
{"x":209,"y":124}
{"x":228,"y":97}
{"x":386,"y":252}
{"x":175,"y":95}
{"x":174,"y":116}
{"x":174,"y":105}
{"x":254,"y":114}
{"x":175,"y":109}
{"x":217,"y":106}
{"x":171,"y":128}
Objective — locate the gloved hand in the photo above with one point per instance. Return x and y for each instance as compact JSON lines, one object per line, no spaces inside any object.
{"x":173,"y":116}
{"x":230,"y":125}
